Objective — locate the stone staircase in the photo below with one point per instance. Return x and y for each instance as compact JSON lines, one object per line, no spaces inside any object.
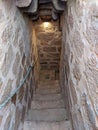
{"x":47,"y":110}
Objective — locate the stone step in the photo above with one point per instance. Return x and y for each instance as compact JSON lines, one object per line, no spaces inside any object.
{"x":50,"y":82}
{"x":47,"y":97}
{"x":48,"y":86}
{"x":48,"y":90}
{"x":46,"y":105}
{"x":63,"y":125}
{"x":48,"y":115}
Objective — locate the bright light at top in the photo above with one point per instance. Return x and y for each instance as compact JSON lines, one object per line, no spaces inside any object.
{"x":46,"y":24}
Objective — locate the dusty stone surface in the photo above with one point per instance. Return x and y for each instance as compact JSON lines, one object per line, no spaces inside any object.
{"x":49,"y":44}
{"x":7,"y":123}
{"x":15,"y":66}
{"x":6,"y":91}
{"x":7,"y":61}
{"x":15,"y":58}
{"x":0,"y":120}
{"x":48,"y":90}
{"x":47,"y":75}
{"x":49,"y":114}
{"x":50,"y":104}
{"x":48,"y":125}
{"x":48,"y":97}
{"x":23,"y":3}
{"x":79,"y":63}
{"x":36,"y":57}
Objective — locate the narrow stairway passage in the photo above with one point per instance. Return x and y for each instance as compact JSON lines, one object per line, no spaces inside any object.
{"x":47,"y":110}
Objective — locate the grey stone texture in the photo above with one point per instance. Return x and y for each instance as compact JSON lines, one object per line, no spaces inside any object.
{"x":78,"y":66}
{"x":49,"y":44}
{"x":50,"y":104}
{"x":48,"y":111}
{"x":64,"y":125}
{"x":79,"y":63}
{"x":23,"y":3}
{"x":15,"y":58}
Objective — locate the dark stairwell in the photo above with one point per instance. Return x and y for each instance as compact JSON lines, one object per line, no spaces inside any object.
{"x":48,"y":109}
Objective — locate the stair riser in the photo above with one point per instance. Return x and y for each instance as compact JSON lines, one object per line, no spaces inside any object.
{"x":49,"y":97}
{"x":46,"y":105}
{"x":49,"y":83}
{"x":46,"y":91}
{"x":49,"y":86}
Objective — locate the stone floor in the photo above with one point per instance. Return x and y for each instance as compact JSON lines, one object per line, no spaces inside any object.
{"x":47,"y":110}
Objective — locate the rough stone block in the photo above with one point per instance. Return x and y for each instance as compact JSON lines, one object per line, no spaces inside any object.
{"x":7,"y":122}
{"x":16,"y":64}
{"x":1,"y":119}
{"x":6,"y":91}
{"x":14,"y":99}
{"x":8,"y":59}
{"x":21,"y":94}
{"x":49,"y":49}
{"x":17,"y":118}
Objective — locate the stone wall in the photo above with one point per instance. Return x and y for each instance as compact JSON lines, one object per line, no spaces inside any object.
{"x":36,"y":57}
{"x":79,"y":63}
{"x":15,"y":58}
{"x":47,"y":75}
{"x":49,"y":44}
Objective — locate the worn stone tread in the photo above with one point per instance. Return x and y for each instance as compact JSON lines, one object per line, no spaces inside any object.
{"x":47,"y":115}
{"x":48,"y":97}
{"x":63,"y":125}
{"x":48,"y":90}
{"x":49,"y":104}
{"x":49,"y":83}
{"x":49,"y":86}
{"x":47,"y":110}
